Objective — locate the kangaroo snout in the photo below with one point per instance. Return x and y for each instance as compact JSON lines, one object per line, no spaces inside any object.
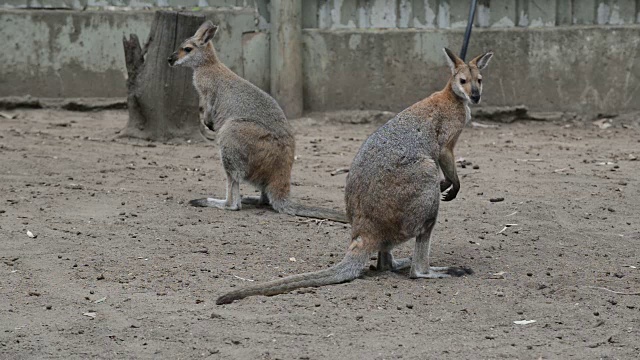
{"x":172,"y":59}
{"x":475,"y":94}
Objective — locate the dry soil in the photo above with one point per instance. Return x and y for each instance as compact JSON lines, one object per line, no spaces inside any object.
{"x":121,"y":267}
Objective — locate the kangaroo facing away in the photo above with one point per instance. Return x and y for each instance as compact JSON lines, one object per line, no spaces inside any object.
{"x":256,"y":140}
{"x":393,"y":188}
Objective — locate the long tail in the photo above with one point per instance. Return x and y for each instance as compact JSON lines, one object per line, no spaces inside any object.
{"x":289,"y":207}
{"x":350,"y":268}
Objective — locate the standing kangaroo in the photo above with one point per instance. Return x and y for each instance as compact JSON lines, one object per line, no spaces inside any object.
{"x":393,"y":187}
{"x":256,"y":140}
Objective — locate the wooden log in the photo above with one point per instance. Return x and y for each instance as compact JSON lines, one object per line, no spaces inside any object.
{"x":162,"y":101}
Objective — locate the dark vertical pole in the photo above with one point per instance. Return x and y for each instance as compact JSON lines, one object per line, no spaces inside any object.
{"x":467,"y":33}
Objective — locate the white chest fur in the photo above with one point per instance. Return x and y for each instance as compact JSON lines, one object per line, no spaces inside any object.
{"x":467,"y":113}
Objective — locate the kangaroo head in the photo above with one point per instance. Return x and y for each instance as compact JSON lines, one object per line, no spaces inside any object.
{"x":194,"y":51}
{"x":466,"y":80}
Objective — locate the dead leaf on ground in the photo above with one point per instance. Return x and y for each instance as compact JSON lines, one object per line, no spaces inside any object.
{"x":8,"y":116}
{"x":603,"y":123}
{"x":339,"y":171}
{"x":91,"y":315}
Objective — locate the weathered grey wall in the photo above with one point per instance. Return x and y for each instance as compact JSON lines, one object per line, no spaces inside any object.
{"x":573,"y":55}
{"x":452,"y":14}
{"x":582,"y":69}
{"x":79,"y":53}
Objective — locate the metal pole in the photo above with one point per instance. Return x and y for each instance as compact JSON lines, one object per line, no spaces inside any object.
{"x":467,"y":33}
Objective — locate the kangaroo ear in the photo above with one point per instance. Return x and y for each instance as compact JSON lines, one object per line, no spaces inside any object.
{"x":205,"y":32}
{"x":482,"y":61}
{"x":452,"y":60}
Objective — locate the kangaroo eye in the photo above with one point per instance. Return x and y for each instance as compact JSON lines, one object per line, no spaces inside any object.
{"x":463,"y":81}
{"x":187,"y":49}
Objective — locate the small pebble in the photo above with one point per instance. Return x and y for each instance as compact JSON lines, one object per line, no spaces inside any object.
{"x":497,"y":199}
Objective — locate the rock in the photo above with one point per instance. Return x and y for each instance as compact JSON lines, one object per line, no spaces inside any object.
{"x":503,"y":114}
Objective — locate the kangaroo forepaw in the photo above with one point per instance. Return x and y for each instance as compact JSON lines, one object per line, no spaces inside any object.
{"x":450,"y":194}
{"x":444,"y":185}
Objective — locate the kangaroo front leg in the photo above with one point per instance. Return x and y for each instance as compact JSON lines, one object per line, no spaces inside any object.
{"x":420,"y":262}
{"x":447,"y":164}
{"x":444,"y":183}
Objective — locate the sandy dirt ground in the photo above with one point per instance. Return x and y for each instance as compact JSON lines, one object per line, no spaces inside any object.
{"x":120,"y":267}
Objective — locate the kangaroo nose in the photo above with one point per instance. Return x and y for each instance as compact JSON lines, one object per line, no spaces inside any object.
{"x":475,"y":98}
{"x":170,"y":60}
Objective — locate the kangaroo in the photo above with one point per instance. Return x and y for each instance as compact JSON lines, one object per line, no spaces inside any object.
{"x":393,"y":188}
{"x":256,"y":140}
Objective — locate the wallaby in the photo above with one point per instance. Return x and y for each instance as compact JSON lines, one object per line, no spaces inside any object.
{"x":393,"y":188}
{"x":256,"y":140}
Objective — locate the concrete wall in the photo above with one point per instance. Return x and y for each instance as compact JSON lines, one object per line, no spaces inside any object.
{"x":79,"y":53}
{"x":581,"y":69}
{"x":453,"y":14}
{"x":136,"y":4}
{"x":573,"y":55}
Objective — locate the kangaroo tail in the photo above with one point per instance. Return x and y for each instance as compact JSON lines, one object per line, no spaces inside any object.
{"x":350,"y":268}
{"x":292,"y":208}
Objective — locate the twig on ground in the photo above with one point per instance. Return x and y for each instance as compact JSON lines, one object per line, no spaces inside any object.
{"x":613,"y":291}
{"x":339,"y":171}
{"x":241,"y":278}
{"x":483,"y":126}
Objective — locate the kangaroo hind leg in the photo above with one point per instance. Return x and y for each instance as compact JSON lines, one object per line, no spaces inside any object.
{"x":232,"y":202}
{"x":420,"y":262}
{"x":262,"y":199}
{"x":387,"y":262}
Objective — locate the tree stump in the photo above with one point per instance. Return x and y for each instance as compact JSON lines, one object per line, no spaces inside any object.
{"x":162,"y":101}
